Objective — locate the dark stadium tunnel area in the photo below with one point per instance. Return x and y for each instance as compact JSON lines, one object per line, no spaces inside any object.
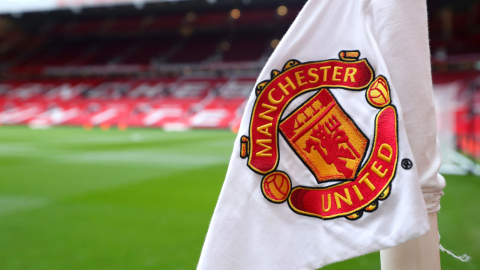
{"x":185,"y":37}
{"x":171,"y":39}
{"x":190,"y":35}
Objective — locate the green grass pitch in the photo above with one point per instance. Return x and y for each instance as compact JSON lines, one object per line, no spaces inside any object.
{"x":143,"y":198}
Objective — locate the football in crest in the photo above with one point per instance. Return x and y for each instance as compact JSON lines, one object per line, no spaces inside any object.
{"x":276,"y":186}
{"x":378,"y":94}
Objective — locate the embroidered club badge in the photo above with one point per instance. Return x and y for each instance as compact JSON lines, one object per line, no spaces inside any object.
{"x":324,"y":137}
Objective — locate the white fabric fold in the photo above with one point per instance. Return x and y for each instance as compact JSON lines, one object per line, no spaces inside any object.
{"x":248,"y":231}
{"x":432,"y":201}
{"x":401,"y":32}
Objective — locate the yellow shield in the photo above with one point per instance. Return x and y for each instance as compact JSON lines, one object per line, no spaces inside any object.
{"x":325,"y":138}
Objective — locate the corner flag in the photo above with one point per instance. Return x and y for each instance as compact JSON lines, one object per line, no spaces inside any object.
{"x":322,"y":168}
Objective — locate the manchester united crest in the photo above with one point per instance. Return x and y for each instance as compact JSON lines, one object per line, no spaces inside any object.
{"x":324,"y":137}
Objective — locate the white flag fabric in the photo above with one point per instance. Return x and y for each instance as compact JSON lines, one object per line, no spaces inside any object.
{"x":336,"y":144}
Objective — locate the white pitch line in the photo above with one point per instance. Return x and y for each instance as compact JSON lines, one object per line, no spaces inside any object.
{"x":10,"y":204}
{"x":125,"y":157}
{"x":146,"y":158}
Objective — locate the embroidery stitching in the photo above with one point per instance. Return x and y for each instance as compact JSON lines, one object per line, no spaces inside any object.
{"x":367,"y":180}
{"x":323,"y":118}
{"x":324,"y":137}
{"x":407,"y":164}
{"x":244,"y":147}
{"x":378,"y":93}
{"x":275,"y":95}
{"x":276,"y":186}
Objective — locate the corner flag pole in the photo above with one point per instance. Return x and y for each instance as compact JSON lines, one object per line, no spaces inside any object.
{"x":421,"y":253}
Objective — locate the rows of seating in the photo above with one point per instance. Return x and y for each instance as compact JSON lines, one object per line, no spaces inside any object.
{"x":197,"y":48}
{"x":192,"y":102}
{"x":464,"y":36}
{"x":458,"y":99}
{"x":195,"y":37}
{"x":171,"y":22}
{"x":149,"y":39}
{"x":457,"y":35}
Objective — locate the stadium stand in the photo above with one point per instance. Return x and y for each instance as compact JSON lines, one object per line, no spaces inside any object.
{"x":198,"y":102}
{"x":247,"y":46}
{"x":192,"y":65}
{"x":209,"y":20}
{"x":198,"y":48}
